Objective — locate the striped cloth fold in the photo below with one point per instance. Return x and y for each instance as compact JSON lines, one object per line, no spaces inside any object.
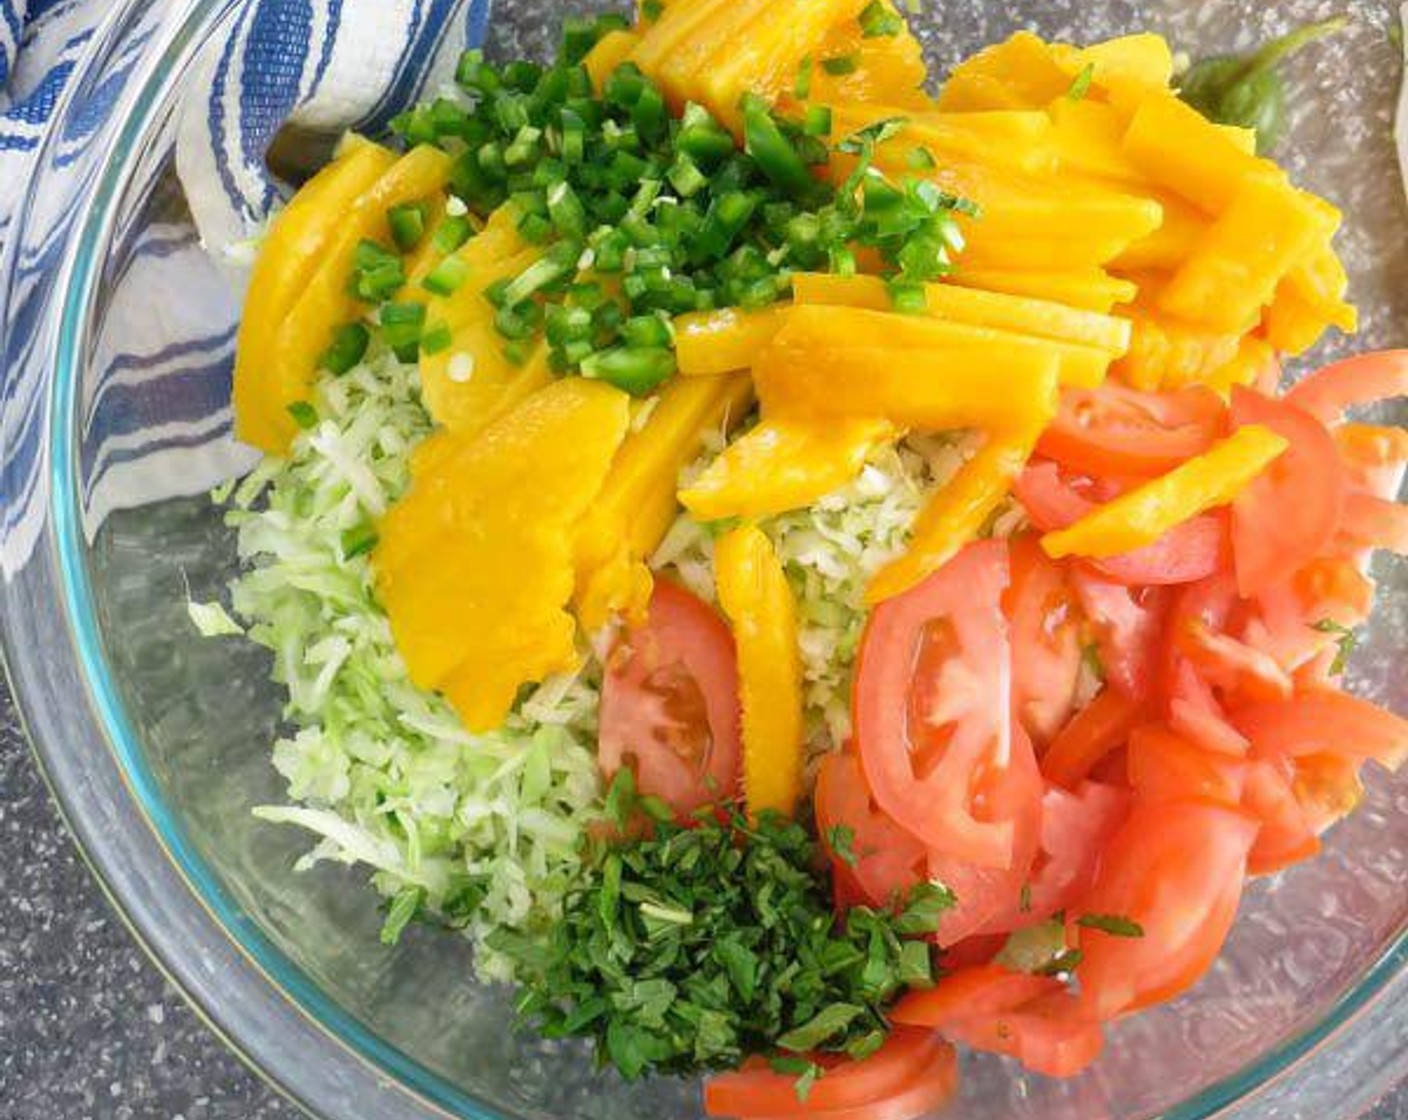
{"x":155,"y":404}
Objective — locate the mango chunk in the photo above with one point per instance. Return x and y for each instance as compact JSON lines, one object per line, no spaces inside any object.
{"x":612,"y":49}
{"x":754,"y":593}
{"x":293,"y":250}
{"x":1091,"y":289}
{"x":479,"y":613}
{"x":637,"y":505}
{"x":1177,"y":148}
{"x":1165,"y":352}
{"x":714,"y":343}
{"x":889,"y":68}
{"x":1021,"y":70}
{"x":780,"y":466}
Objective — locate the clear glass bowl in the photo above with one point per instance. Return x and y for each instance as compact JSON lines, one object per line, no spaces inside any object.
{"x":156,"y":742}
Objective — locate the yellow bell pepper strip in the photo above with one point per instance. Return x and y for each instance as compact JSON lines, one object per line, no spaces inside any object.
{"x":291,"y":252}
{"x":715,"y":343}
{"x":958,"y":512}
{"x":931,"y":389}
{"x":754,"y":593}
{"x":1143,"y":515}
{"x":324,"y":302}
{"x":611,"y":50}
{"x":781,"y":465}
{"x":996,"y":310}
{"x":480,"y":612}
{"x":810,"y":326}
{"x":637,"y":506}
{"x":1245,"y":254}
{"x":1091,"y":289}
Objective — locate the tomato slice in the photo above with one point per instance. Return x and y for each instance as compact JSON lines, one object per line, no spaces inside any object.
{"x":1100,"y":727}
{"x":1327,"y":787}
{"x":985,"y":989}
{"x":1075,"y":827}
{"x":1164,"y":766}
{"x":1051,"y":1035}
{"x":933,"y":710}
{"x":757,"y":1090}
{"x":1177,"y":870}
{"x":1113,"y":430}
{"x":1192,"y":707}
{"x":1287,"y":620}
{"x":1287,"y":836}
{"x":1363,"y":379}
{"x":669,"y":703}
{"x":1046,"y":657}
{"x":1288,"y":515}
{"x":1372,"y":522}
{"x":1374,"y":457}
{"x":885,"y":859}
{"x":1325,"y":721}
{"x":1190,"y":551}
{"x":1237,"y":669}
{"x":1195,"y":712}
{"x":932,"y":1091}
{"x":1128,"y":625}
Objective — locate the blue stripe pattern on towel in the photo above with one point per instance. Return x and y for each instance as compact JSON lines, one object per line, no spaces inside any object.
{"x":155,"y":399}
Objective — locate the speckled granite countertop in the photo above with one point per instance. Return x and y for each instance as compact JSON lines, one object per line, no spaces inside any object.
{"x":89,"y":1030}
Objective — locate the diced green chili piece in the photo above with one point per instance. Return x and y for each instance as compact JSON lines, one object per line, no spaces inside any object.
{"x":636,"y":370}
{"x":349,"y":347}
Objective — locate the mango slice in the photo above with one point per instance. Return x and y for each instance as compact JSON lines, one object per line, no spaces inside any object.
{"x":1091,"y":289}
{"x":754,"y":593}
{"x":479,"y":613}
{"x":291,"y":253}
{"x":713,"y":343}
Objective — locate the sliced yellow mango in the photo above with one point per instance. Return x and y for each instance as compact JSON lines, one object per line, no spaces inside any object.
{"x":681,"y":72}
{"x":1023,"y":67}
{"x":782,"y":465}
{"x":812,"y":326}
{"x":1165,"y":352}
{"x":324,"y":302}
{"x":678,"y":24}
{"x":713,"y":343}
{"x":480,"y":613}
{"x":1144,"y":514}
{"x":1172,"y":244}
{"x":754,"y":593}
{"x":290,"y":254}
{"x":637,"y":506}
{"x":1177,"y":148}
{"x":612,"y":49}
{"x":1321,"y":282}
{"x":1244,"y":255}
{"x":889,"y":68}
{"x":1091,"y":289}
{"x":1143,"y":60}
{"x":1021,"y":141}
{"x":1254,"y":359}
{"x":1088,"y":137}
{"x":1292,"y":324}
{"x":958,"y":512}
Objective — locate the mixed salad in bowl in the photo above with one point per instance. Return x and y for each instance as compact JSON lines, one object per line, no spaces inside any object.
{"x":805,"y":571}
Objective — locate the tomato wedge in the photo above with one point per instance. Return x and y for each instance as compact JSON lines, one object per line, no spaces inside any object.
{"x":1288,"y":515}
{"x":932,"y":1091}
{"x":1052,"y":1035}
{"x":884,"y":860}
{"x":1176,"y":869}
{"x":1128,"y":625}
{"x":1189,"y":552}
{"x":1287,"y":836}
{"x":1327,"y":787}
{"x":1164,"y":766}
{"x":1116,"y":431}
{"x":1075,"y":827}
{"x":1232,"y":666}
{"x":1100,"y":727}
{"x":1363,"y":379}
{"x":1372,"y":522}
{"x":1192,"y":707}
{"x":669,"y":703}
{"x":933,"y":710}
{"x":1325,"y":722}
{"x":985,"y":989}
{"x":1374,"y":457}
{"x":908,"y":1057}
{"x":1045,"y":622}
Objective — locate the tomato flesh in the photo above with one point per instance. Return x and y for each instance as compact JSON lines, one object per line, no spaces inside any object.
{"x":669,"y":703}
{"x":884,"y":860}
{"x":1113,"y":430}
{"x":1363,"y":379}
{"x":1046,"y":656}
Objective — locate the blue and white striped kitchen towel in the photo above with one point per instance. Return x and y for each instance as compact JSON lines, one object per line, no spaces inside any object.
{"x":157,"y":407}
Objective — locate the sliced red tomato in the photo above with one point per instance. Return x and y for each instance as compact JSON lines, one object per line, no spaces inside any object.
{"x":1289,"y":621}
{"x":1128,"y":626}
{"x":986,"y":989}
{"x":908,"y":1059}
{"x":1327,"y":787}
{"x":1052,"y":1035}
{"x":1100,"y":727}
{"x":1113,"y":430}
{"x":669,"y":703}
{"x":1237,"y":669}
{"x":1045,"y":622}
{"x":884,"y":860}
{"x":1289,"y":514}
{"x":1195,"y":712}
{"x":989,"y":899}
{"x":1175,"y":869}
{"x":1286,"y":835}
{"x":1372,"y":522}
{"x":1075,"y":827}
{"x":1163,"y":766}
{"x":1190,"y":551}
{"x":933,"y":711}
{"x":1363,"y":379}
{"x":1190,"y":704}
{"x":1325,"y":722}
{"x":1374,"y":457}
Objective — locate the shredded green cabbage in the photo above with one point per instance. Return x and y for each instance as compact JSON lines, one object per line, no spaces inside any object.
{"x":382,"y":772}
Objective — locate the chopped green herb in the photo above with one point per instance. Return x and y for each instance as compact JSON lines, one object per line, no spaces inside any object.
{"x":921,"y":159}
{"x":407,"y":223}
{"x":1115,"y":925}
{"x":402,"y":909}
{"x":1345,"y":638}
{"x":925,"y":906}
{"x":349,"y":347}
{"x":803,"y":86}
{"x":841,"y":840}
{"x":880,"y":20}
{"x":804,"y":1070}
{"x":841,"y":65}
{"x":1024,"y":900}
{"x":1248,"y":90}
{"x":1061,"y":964}
{"x":1080,"y":88}
{"x":1090,"y":658}
{"x":651,"y":10}
{"x":358,"y":541}
{"x":304,"y":414}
